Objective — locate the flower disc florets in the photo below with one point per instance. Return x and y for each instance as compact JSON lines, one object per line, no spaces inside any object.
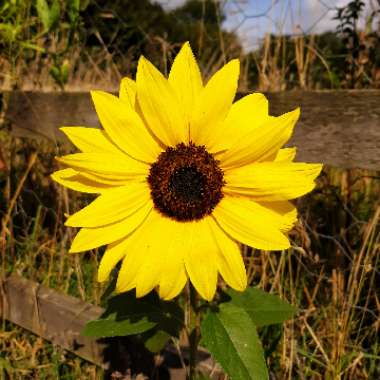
{"x":186,"y":182}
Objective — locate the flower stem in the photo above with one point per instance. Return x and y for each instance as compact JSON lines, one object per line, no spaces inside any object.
{"x":194,"y":333}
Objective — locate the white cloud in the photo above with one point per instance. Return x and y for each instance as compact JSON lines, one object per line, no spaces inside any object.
{"x":170,"y":4}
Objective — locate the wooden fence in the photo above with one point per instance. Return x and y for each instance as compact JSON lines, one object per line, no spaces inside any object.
{"x":338,"y":128}
{"x":54,"y":316}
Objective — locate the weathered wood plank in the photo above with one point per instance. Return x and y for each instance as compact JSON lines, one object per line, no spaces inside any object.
{"x":56,"y":317}
{"x":338,"y":128}
{"x":40,"y":114}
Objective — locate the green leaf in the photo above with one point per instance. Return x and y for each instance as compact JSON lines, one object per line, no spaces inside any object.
{"x":263,"y":308}
{"x":65,"y":69}
{"x":60,"y":74}
{"x":231,"y":337}
{"x":28,"y":45}
{"x":155,"y":340}
{"x":55,"y":72}
{"x":9,"y":32}
{"x":112,"y":326}
{"x":73,"y":11}
{"x":49,"y":16}
{"x":54,"y":14}
{"x":128,"y":315}
{"x":43,"y":13}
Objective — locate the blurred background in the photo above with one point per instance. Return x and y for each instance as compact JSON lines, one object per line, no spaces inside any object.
{"x":332,"y":271}
{"x":282,"y":44}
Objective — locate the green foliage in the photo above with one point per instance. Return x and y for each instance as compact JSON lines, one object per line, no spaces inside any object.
{"x":229,"y":333}
{"x":127,"y":315}
{"x":60,"y":73}
{"x":263,"y":308}
{"x":155,"y":339}
{"x":73,"y":9}
{"x":9,"y":32}
{"x":231,"y":337}
{"x":49,"y":15}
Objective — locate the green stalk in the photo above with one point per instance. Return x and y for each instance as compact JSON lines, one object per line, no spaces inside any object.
{"x":194,"y":333}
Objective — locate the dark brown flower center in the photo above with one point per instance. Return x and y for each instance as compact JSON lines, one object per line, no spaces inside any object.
{"x":186,"y":182}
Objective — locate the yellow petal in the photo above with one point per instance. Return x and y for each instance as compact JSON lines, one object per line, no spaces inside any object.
{"x":229,"y":259}
{"x":172,"y":276}
{"x":90,"y":140}
{"x":283,"y":213}
{"x":262,"y":143}
{"x":280,"y":214}
{"x":160,"y":241}
{"x":110,"y":179}
{"x":105,"y":163}
{"x":127,"y":92}
{"x":113,"y":254}
{"x":246,"y":115}
{"x":166,"y":246}
{"x":125,"y":127}
{"x":112,"y":206}
{"x":133,"y":260}
{"x":214,"y":102}
{"x":159,"y":105}
{"x":252,"y":226}
{"x":136,"y":248}
{"x":89,"y":238}
{"x":272,"y":181}
{"x":286,"y":155}
{"x":185,"y":79}
{"x":200,"y":260}
{"x":75,"y":181}
{"x":173,"y":283}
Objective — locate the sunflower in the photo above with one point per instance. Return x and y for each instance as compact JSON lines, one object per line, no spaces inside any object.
{"x":184,"y":175}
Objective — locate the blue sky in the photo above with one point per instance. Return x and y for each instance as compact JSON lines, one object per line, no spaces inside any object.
{"x":252,"y":19}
